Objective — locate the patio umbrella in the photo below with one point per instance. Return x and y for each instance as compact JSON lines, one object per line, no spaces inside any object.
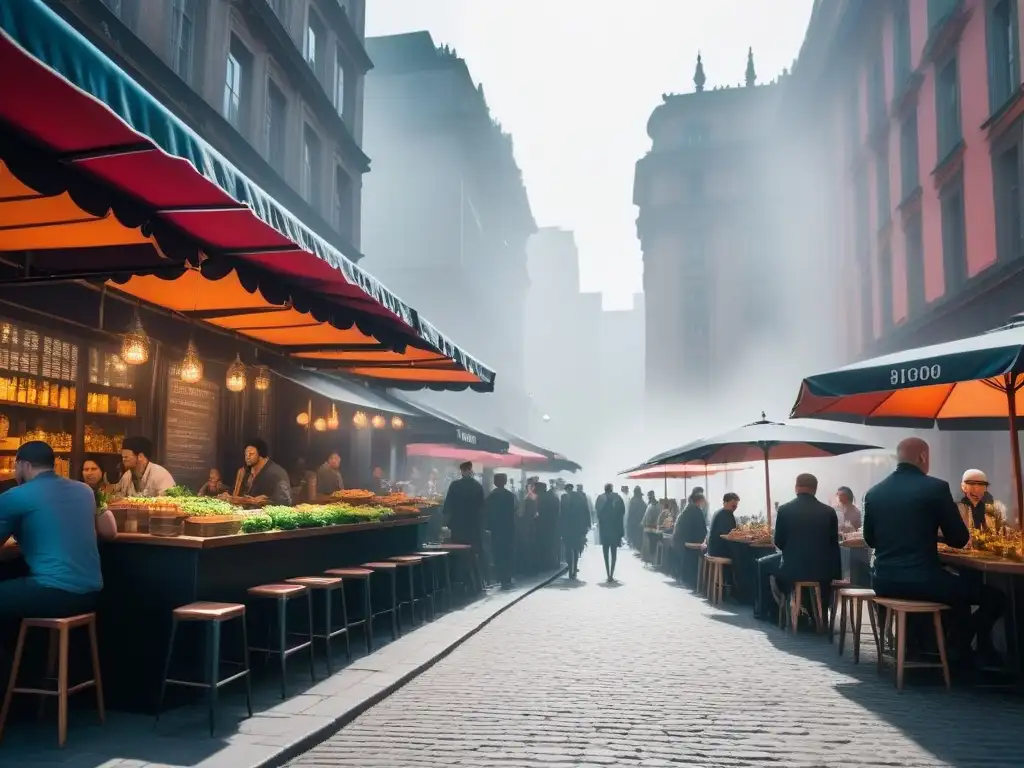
{"x":974,"y":383}
{"x":762,"y":441}
{"x":674,"y":472}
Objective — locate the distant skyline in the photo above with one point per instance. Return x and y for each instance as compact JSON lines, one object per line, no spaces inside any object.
{"x":575,"y":81}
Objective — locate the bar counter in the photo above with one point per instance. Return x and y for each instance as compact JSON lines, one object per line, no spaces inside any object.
{"x":145,"y":577}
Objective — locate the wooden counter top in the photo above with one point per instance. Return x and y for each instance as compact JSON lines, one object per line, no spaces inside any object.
{"x":10,"y":550}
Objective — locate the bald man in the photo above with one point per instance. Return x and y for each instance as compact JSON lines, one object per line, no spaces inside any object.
{"x":901,"y":516}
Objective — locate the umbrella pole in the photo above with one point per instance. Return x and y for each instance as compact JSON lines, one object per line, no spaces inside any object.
{"x":1011,"y":395}
{"x":767,"y":490}
{"x":686,"y":493}
{"x":666,"y":486}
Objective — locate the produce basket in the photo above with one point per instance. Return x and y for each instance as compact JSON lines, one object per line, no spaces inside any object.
{"x":165,"y":523}
{"x":209,"y":526}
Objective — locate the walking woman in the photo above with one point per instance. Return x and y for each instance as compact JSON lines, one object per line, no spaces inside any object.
{"x":611,"y":522}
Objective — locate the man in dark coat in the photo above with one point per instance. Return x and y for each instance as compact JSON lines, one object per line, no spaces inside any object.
{"x":723,"y":522}
{"x":691,"y":528}
{"x":548,"y":544}
{"x":902,"y":515}
{"x":807,"y":535}
{"x":611,"y":525}
{"x":635,"y":519}
{"x":573,"y":524}
{"x":500,"y":515}
{"x":464,"y":511}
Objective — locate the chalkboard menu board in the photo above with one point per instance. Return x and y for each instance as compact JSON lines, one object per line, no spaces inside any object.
{"x":190,"y":435}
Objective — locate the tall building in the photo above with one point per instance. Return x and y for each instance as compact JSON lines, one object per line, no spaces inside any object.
{"x":276,"y":86}
{"x":584,"y":367}
{"x":706,"y":227}
{"x":446,"y":215}
{"x":919,"y":105}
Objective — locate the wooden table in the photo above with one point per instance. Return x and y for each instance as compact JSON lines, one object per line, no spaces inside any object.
{"x":145,"y":577}
{"x":744,"y":554}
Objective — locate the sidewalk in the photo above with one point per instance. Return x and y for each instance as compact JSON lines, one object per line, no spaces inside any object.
{"x":279,"y":729}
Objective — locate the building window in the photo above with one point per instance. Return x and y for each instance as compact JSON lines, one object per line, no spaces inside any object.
{"x":876,"y":92}
{"x":183,"y":31}
{"x":236,"y":84}
{"x":316,"y":37}
{"x":954,"y":235}
{"x":1003,"y":65}
{"x":311,"y":167}
{"x":1006,"y":175}
{"x":913,"y":239}
{"x":901,"y":45}
{"x":947,"y":108}
{"x":885,"y":287}
{"x":882,"y":188}
{"x":125,"y":10}
{"x":342,"y":214}
{"x":339,"y":82}
{"x":276,"y":127}
{"x":910,"y":174}
{"x":938,"y":11}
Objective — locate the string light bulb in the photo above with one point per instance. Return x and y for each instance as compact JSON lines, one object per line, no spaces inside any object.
{"x":302,"y":419}
{"x":332,"y":418}
{"x":378,"y":421}
{"x":320,"y":425}
{"x":397,"y":422}
{"x":359,"y":420}
{"x":262,"y":381}
{"x":191,"y":371}
{"x":236,"y":381}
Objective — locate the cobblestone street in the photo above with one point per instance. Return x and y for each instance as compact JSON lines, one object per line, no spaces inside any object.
{"x":645,"y":674}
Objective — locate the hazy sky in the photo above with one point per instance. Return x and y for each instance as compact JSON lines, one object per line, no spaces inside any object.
{"x":574,"y":81}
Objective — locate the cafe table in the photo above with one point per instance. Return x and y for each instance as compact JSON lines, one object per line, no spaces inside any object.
{"x":744,"y":554}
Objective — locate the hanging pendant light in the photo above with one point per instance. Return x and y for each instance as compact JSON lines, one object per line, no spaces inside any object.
{"x":359,"y":420}
{"x":378,"y":421}
{"x":332,"y":418}
{"x":236,"y":381}
{"x":135,"y":344}
{"x":320,"y":425}
{"x":262,"y":381}
{"x":302,"y":419}
{"x":397,"y":422}
{"x":191,"y":371}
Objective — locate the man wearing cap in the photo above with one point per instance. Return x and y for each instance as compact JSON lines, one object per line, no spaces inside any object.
{"x":53,"y":520}
{"x":464,"y":510}
{"x":500,"y":509}
{"x":980,"y":512}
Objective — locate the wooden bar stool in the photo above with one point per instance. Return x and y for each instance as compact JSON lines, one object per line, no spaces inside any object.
{"x":388,"y":571}
{"x":282,"y":594}
{"x":413,"y":565}
{"x":213,"y":615}
{"x":837,"y":584}
{"x":330,"y":586}
{"x":701,"y":565}
{"x":898,"y":610}
{"x":795,"y":603}
{"x":716,"y":577}
{"x":63,"y":629}
{"x":851,"y":602}
{"x":441,"y":583}
{"x":465,"y":554}
{"x":360,"y":576}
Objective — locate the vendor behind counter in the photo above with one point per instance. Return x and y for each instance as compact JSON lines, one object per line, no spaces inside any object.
{"x":262,"y":481}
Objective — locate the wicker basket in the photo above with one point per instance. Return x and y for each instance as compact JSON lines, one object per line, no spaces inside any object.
{"x":165,"y":524}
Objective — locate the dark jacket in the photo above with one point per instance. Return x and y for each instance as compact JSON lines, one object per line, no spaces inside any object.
{"x":464,"y":508}
{"x":328,"y":480}
{"x":723,"y":522}
{"x":902,"y":515}
{"x":547,"y":508}
{"x":807,"y":534}
{"x":573,"y":517}
{"x":271,"y":481}
{"x":635,"y":518}
{"x":611,"y":518}
{"x":500,"y":512}
{"x":691,"y":528}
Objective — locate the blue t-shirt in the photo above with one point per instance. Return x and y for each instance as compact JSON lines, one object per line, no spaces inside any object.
{"x":53,"y":519}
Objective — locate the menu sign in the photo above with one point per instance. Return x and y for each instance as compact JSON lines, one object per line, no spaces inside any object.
{"x":190,"y":436}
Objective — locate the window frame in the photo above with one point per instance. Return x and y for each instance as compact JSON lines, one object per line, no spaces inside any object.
{"x":997,"y":97}
{"x":178,"y":9}
{"x":312,"y":176}
{"x":954,"y":265}
{"x":883,"y":182}
{"x":1006,"y":251}
{"x":913,"y":254}
{"x":910,"y":156}
{"x":272,"y":86}
{"x":948,"y":137}
{"x":902,"y":63}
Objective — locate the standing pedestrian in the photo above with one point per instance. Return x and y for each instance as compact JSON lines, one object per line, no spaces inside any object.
{"x":573,"y":524}
{"x":611,"y":521}
{"x":635,"y":524}
{"x":500,"y":509}
{"x":464,"y":510}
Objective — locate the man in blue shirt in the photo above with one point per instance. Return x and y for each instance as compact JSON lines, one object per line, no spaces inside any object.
{"x":53,"y":520}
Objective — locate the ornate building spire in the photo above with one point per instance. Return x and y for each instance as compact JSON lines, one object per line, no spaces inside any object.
{"x":698,"y":75}
{"x":751,"y":73}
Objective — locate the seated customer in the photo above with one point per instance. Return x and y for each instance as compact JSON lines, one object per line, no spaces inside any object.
{"x":52,"y":519}
{"x":723,"y":522}
{"x":902,"y":515}
{"x":213,"y":486}
{"x":978,"y":509}
{"x":142,"y":476}
{"x":690,"y":528}
{"x":807,"y":535}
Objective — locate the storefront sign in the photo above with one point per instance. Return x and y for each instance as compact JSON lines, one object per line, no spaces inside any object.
{"x":466,"y":437}
{"x":190,"y":435}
